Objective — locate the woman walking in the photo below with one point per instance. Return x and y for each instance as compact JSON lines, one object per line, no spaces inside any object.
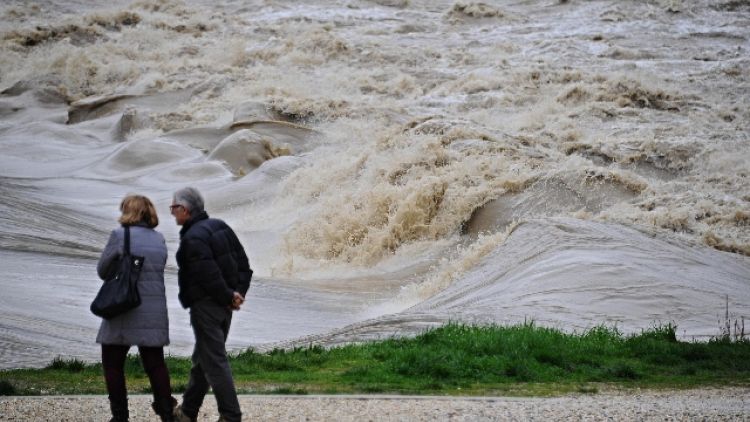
{"x":146,"y":326}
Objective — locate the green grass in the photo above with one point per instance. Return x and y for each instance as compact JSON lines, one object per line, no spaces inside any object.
{"x":451,"y":360}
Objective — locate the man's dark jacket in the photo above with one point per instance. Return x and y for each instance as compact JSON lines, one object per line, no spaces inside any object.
{"x":212,"y":262}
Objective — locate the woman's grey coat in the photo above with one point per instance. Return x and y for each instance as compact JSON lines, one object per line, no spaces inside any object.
{"x":148,"y":324}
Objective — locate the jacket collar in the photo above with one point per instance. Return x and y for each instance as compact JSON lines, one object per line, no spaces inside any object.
{"x":139,"y":224}
{"x":203,"y":215}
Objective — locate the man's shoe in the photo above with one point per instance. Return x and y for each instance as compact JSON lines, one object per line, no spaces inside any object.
{"x":179,"y":416}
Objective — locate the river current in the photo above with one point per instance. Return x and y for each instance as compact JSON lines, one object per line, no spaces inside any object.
{"x":389,"y":165}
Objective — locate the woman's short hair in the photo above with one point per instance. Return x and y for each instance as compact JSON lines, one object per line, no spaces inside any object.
{"x":190,"y":198}
{"x":138,"y":209}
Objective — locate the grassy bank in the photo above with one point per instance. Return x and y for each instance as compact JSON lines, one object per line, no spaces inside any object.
{"x":455,"y":359}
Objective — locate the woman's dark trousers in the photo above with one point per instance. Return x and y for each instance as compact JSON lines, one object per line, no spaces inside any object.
{"x":211,"y":323}
{"x":113,"y":361}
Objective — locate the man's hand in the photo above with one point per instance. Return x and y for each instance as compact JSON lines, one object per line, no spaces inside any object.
{"x":237,"y":301}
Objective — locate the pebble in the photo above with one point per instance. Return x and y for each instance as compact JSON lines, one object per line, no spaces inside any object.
{"x":715,"y":404}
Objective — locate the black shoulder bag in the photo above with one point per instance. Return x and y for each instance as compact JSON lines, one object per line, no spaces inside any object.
{"x":119,"y":294}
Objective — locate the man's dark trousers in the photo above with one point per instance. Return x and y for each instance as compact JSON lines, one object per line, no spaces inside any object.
{"x":211,"y":323}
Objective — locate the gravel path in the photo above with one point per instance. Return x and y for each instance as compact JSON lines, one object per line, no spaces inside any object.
{"x":705,"y":404}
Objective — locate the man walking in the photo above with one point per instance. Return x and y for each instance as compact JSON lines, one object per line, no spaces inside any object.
{"x":214,"y":275}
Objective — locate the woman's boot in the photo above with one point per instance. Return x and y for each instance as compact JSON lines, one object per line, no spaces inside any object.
{"x":119,"y":411}
{"x":164,"y":407}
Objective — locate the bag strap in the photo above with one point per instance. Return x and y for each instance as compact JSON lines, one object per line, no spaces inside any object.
{"x":127,"y":240}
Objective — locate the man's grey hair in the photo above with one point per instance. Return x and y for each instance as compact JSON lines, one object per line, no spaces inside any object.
{"x":191,"y":199}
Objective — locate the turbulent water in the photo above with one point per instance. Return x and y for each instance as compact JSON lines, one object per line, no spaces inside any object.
{"x":390,"y":165}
